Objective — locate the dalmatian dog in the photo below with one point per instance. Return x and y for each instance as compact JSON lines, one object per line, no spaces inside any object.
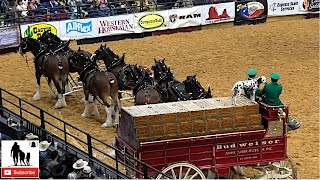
{"x":251,"y":85}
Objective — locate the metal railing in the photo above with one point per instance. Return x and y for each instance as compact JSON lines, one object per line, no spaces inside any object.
{"x":49,"y":127}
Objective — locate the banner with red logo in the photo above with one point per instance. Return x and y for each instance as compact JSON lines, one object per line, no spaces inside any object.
{"x":217,"y":13}
{"x":250,"y":12}
{"x":185,"y":17}
{"x":113,"y":25}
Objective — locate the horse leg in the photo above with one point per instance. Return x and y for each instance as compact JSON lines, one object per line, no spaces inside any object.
{"x":95,"y":107}
{"x":86,"y":104}
{"x":67,"y":87}
{"x":37,"y":96}
{"x":51,"y":93}
{"x":63,"y":86}
{"x":59,"y":104}
{"x":116,"y":108}
{"x":108,"y":110}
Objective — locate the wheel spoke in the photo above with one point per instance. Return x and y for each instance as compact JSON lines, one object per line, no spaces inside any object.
{"x":194,"y":175}
{"x":187,"y":173}
{"x":180,"y":172}
{"x":173,"y":174}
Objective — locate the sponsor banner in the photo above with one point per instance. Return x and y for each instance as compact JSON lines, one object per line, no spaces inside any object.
{"x":247,"y":12}
{"x":283,"y":7}
{"x":36,"y":30}
{"x":9,"y":37}
{"x":20,"y":159}
{"x":217,"y":13}
{"x":78,"y":29}
{"x":112,"y":25}
{"x":185,"y":17}
{"x":151,"y":21}
{"x":308,"y":6}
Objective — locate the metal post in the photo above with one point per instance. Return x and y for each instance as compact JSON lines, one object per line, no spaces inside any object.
{"x":20,"y":108}
{"x":89,"y":146}
{"x":1,"y":105}
{"x":43,"y":126}
{"x":145,"y":172}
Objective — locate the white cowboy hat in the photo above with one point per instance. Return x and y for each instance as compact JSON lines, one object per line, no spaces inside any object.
{"x":44,"y":145}
{"x":87,"y":169}
{"x":31,"y":136}
{"x":79,"y":164}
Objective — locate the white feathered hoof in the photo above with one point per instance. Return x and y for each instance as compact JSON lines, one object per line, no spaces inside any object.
{"x":85,"y":115}
{"x":36,"y":97}
{"x":105,"y":125}
{"x":95,"y":113}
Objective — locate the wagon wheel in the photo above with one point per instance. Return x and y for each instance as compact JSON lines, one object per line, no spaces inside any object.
{"x":182,"y":171}
{"x":285,"y":169}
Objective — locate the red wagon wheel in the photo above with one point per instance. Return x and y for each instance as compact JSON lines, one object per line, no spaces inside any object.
{"x":182,"y":171}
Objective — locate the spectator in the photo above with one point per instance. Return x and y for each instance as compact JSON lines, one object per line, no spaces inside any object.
{"x":54,"y":156}
{"x":86,"y":173}
{"x":43,"y":147}
{"x":57,"y":171}
{"x":21,"y":9}
{"x":67,"y":161}
{"x":53,"y":6}
{"x":78,"y":167}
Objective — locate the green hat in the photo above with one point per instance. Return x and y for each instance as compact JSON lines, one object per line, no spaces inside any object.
{"x":252,"y":72}
{"x":274,"y":75}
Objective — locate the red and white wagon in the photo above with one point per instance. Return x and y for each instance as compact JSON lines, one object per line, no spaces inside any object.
{"x":207,"y":138}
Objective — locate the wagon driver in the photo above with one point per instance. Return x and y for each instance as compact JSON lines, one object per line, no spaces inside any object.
{"x":270,"y":95}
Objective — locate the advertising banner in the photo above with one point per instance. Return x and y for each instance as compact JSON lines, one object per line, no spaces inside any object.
{"x":37,"y":29}
{"x":308,"y":6}
{"x":185,"y":17}
{"x":9,"y":37}
{"x":113,"y":25}
{"x":78,"y":29}
{"x":250,"y":12}
{"x":283,"y":7}
{"x":151,"y":21}
{"x":217,"y":13}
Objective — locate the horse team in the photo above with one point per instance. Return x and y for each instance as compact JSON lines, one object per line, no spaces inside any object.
{"x":54,"y":60}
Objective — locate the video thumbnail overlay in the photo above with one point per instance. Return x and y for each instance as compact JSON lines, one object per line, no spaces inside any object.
{"x":20,"y":159}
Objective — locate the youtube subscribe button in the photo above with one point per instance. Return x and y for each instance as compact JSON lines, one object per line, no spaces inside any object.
{"x":21,"y":172}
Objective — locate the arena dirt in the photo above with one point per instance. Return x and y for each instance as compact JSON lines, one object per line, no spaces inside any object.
{"x":219,"y":56}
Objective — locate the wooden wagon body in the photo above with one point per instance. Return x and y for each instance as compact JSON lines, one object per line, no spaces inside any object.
{"x":211,"y":134}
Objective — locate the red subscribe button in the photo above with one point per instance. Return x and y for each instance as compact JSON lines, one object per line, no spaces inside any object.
{"x":20,"y":172}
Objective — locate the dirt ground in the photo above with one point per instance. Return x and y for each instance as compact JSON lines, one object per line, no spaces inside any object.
{"x":220,"y":56}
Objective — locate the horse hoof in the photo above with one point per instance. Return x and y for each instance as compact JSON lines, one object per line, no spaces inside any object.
{"x":36,"y":97}
{"x":85,"y":115}
{"x":96,"y":113}
{"x":104,"y":125}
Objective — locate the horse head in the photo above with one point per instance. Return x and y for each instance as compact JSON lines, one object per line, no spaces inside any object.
{"x":160,"y":69}
{"x":51,"y":39}
{"x":29,"y":44}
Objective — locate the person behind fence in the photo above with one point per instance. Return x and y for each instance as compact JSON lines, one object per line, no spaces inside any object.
{"x":78,"y":167}
{"x":86,"y":173}
{"x":43,"y":147}
{"x":21,"y":9}
{"x":270,"y":95}
{"x":67,"y":161}
{"x":54,"y":160}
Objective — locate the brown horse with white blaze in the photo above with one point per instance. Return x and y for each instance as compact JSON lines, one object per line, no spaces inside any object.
{"x":102,"y":84}
{"x":53,"y":65}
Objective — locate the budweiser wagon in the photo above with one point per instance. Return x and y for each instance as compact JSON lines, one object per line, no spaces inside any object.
{"x":207,"y":138}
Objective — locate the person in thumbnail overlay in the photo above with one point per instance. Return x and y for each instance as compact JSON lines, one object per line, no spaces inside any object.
{"x":28,"y":159}
{"x":22,"y":157}
{"x":15,"y":153}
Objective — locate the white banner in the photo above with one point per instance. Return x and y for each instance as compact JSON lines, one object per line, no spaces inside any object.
{"x":185,"y":17}
{"x":151,"y":21}
{"x":112,"y":25}
{"x":78,"y":29}
{"x":217,"y":13}
{"x":283,"y":7}
{"x":9,"y":37}
{"x":37,"y":29}
{"x":310,"y":6}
